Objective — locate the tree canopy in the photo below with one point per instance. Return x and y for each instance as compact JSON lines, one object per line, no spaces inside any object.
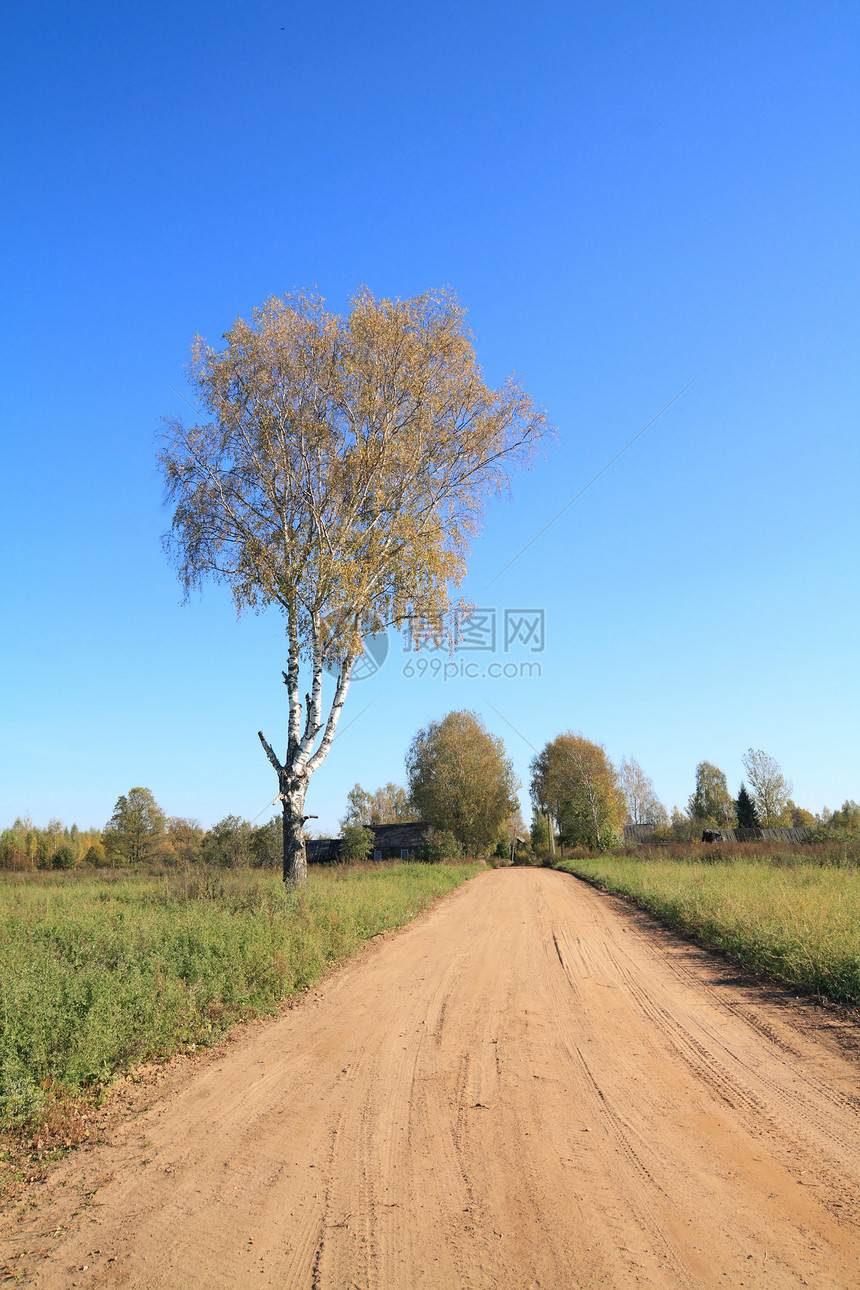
{"x":574,"y":782}
{"x":461,"y":781}
{"x":771,"y":790}
{"x":711,"y":803}
{"x":388,"y":805}
{"x":339,"y":473}
{"x":136,"y":830}
{"x":643,"y":804}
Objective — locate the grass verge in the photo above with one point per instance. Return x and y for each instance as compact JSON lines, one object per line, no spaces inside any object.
{"x":102,"y":971}
{"x":798,"y":922}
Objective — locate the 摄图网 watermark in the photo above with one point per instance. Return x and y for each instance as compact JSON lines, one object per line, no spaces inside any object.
{"x":486,"y":630}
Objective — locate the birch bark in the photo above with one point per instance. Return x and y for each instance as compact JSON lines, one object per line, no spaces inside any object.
{"x":302,"y":759}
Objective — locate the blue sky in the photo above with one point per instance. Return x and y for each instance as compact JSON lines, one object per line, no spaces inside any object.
{"x":626,"y":197}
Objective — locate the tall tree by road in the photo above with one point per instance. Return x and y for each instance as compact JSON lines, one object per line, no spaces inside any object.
{"x":711,"y":803}
{"x":770,"y":788}
{"x":461,"y":781}
{"x":574,"y":781}
{"x":339,"y":476}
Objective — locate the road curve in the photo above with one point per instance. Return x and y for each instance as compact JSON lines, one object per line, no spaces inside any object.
{"x":532,"y":1086}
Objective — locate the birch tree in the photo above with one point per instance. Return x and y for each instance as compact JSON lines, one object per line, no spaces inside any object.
{"x":338,"y":474}
{"x":643,"y":804}
{"x":388,"y":805}
{"x":575,"y":783}
{"x":711,"y":803}
{"x":770,"y":788}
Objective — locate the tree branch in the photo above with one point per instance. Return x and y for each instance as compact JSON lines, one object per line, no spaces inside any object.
{"x":271,"y":756}
{"x":331,"y":725}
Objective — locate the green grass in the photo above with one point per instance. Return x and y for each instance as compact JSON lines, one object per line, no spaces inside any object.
{"x":101,"y":971}
{"x":796,"y":920}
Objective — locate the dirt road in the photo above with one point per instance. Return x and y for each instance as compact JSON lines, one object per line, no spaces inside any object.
{"x":531,"y":1086}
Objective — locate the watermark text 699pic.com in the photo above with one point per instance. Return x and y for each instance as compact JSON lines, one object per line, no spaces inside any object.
{"x":458,"y":669}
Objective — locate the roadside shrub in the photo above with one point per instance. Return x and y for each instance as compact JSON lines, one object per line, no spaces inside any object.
{"x":443,"y":848}
{"x":356,"y":844}
{"x":96,"y":856}
{"x":64,"y":857}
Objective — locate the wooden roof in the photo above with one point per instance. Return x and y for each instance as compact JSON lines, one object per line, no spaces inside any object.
{"x":400,"y":835}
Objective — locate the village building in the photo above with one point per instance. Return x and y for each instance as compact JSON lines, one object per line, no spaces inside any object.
{"x":401,"y":841}
{"x":390,"y":842}
{"x":322,"y":850}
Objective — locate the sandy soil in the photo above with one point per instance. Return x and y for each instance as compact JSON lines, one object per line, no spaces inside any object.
{"x":531,"y":1086}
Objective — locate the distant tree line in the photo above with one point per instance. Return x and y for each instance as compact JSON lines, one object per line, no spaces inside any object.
{"x":766,"y":803}
{"x":24,"y":846}
{"x":580,"y":799}
{"x":139,"y":832}
{"x":461,"y":782}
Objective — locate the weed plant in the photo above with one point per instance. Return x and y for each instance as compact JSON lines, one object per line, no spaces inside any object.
{"x":100,"y":971}
{"x":792,"y":915}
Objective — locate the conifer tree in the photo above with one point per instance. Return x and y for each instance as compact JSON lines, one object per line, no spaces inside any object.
{"x":745,"y":810}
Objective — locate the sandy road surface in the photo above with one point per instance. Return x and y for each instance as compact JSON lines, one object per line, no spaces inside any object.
{"x":531,"y":1086}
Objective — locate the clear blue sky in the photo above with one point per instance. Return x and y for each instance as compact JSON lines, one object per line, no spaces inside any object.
{"x":626,"y":197}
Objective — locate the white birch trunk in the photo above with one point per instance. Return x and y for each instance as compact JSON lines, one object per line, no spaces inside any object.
{"x":301,"y":761}
{"x":295,"y":855}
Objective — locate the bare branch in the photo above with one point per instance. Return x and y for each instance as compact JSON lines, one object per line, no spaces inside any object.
{"x":271,"y":755}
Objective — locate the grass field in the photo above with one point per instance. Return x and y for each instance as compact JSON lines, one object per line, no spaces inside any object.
{"x":102,"y":970}
{"x":789,"y":916}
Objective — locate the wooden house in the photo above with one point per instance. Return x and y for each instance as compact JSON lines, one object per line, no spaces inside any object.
{"x":390,"y":842}
{"x":322,"y":850}
{"x":400,"y":841}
